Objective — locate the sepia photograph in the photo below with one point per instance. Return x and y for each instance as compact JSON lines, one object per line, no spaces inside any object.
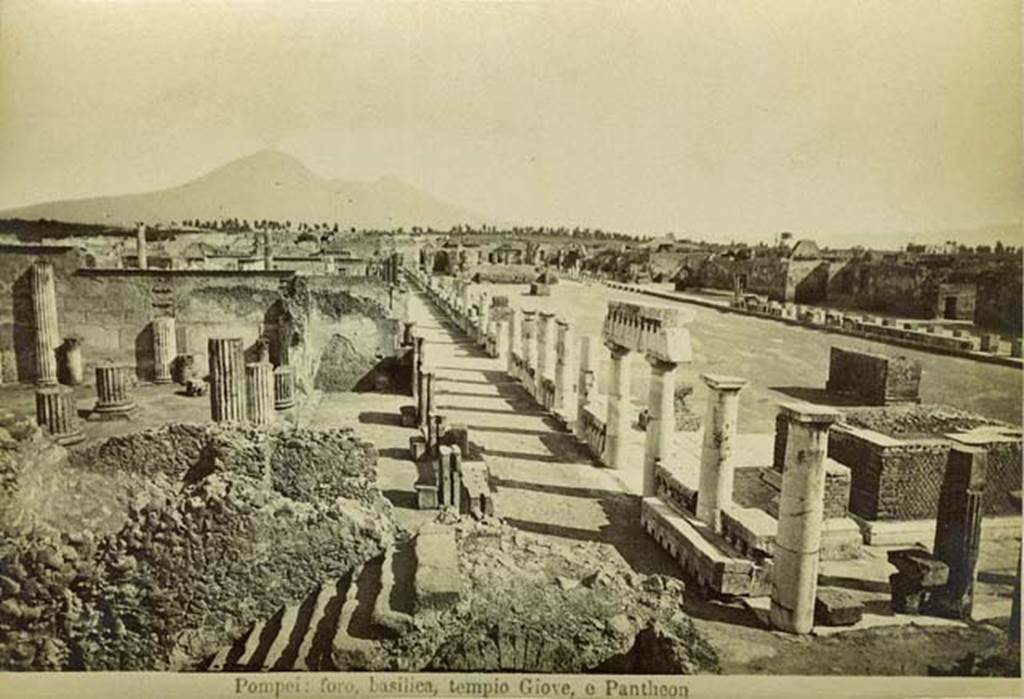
{"x":511,"y":349}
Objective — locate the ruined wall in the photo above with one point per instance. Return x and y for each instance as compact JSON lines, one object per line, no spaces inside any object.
{"x":112,"y":310}
{"x":806,"y":281}
{"x":765,"y":275}
{"x":900,"y":289}
{"x":16,"y":320}
{"x":902,"y":481}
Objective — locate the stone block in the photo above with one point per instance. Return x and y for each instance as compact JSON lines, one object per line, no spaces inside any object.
{"x":426,"y":496}
{"x":836,"y":607}
{"x":437,"y":582}
{"x":919,"y":566}
{"x":417,"y":447}
{"x":409,"y":415}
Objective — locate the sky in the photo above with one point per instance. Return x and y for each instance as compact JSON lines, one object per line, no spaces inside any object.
{"x":729,"y":120}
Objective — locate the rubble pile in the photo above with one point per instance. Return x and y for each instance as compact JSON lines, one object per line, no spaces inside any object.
{"x":531,"y":605}
{"x":239,"y":528}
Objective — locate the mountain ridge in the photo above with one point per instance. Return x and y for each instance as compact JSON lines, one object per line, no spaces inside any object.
{"x":267,"y":184}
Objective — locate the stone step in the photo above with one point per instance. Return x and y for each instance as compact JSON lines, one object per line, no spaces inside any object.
{"x":294,"y":638}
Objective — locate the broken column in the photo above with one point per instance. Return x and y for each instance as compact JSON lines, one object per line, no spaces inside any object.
{"x":565,"y":372}
{"x":227,"y":379}
{"x":284,"y":388}
{"x":56,"y":411}
{"x":259,"y":392}
{"x":801,"y":511}
{"x":958,"y":530}
{"x":165,"y":348}
{"x":140,"y":245}
{"x":44,"y":311}
{"x":617,"y":424}
{"x":417,"y":365}
{"x":73,"y":369}
{"x":455,"y":486}
{"x":717,"y":456}
{"x":501,"y":340}
{"x":113,"y":392}
{"x":426,"y":399}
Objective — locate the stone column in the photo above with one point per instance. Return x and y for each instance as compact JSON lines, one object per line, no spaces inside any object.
{"x":284,"y":388}
{"x":165,"y":348}
{"x":227,"y":379}
{"x":73,"y":366}
{"x":801,"y":510}
{"x":57,"y":412}
{"x":565,"y":372}
{"x":529,"y":350}
{"x":455,"y":492}
{"x":501,"y":340}
{"x":515,"y":341}
{"x":958,"y":530}
{"x":427,"y":399}
{"x":483,"y":318}
{"x":140,"y":245}
{"x":545,"y":347}
{"x":661,"y":425}
{"x":717,"y":458}
{"x":44,"y":312}
{"x":587,"y":383}
{"x":417,"y":365}
{"x":617,"y":422}
{"x":444,"y":477}
{"x":259,"y":392}
{"x":113,"y":392}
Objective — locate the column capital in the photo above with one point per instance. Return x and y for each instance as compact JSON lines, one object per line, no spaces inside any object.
{"x":720,"y":382}
{"x":659,"y":365}
{"x":809,"y":414}
{"x":618,"y":351}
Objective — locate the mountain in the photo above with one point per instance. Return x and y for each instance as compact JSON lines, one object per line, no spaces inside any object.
{"x":270,"y":185}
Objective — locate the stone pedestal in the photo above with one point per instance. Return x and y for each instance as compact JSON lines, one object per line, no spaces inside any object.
{"x":73,"y":369}
{"x":113,"y":393}
{"x":284,"y":388}
{"x":57,"y":413}
{"x":227,"y":380}
{"x":165,"y":349}
{"x":618,"y":420}
{"x":958,"y":530}
{"x":44,"y":314}
{"x":801,"y":510}
{"x":661,"y":423}
{"x":259,"y":392}
{"x":717,"y":458}
{"x":565,"y":372}
{"x":183,"y":368}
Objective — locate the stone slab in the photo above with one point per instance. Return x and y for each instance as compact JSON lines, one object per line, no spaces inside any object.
{"x":834,"y":606}
{"x":922,"y":531}
{"x":438,"y":581}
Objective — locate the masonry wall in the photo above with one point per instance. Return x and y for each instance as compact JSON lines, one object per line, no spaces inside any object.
{"x":902,"y":482}
{"x":112,"y":311}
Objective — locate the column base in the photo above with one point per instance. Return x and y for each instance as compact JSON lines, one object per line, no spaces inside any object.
{"x":163,"y":381}
{"x":114,"y":412}
{"x":69,"y":438}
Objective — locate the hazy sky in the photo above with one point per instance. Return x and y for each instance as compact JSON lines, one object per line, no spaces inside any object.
{"x":728,"y":118}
